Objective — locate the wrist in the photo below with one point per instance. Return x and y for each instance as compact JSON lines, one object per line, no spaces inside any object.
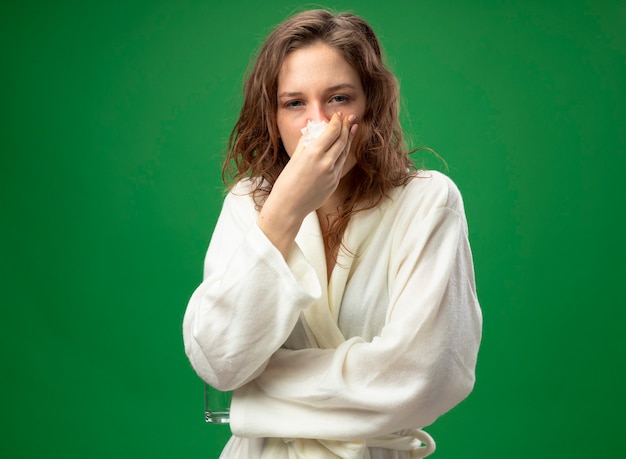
{"x":279,"y":225}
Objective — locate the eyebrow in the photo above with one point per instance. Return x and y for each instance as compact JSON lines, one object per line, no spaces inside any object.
{"x":330,"y":89}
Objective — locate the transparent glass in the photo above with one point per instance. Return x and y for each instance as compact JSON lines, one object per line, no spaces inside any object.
{"x":216,"y":405}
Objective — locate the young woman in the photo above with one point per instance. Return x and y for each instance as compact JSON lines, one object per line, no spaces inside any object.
{"x":338,"y":299}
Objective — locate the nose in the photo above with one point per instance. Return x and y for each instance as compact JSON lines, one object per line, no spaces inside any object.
{"x":318,"y":112}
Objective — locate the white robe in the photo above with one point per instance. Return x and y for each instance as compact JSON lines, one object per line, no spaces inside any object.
{"x":387,"y":345}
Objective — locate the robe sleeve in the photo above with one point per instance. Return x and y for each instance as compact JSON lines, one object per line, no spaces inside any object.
{"x":420,"y":366}
{"x":249,"y":300}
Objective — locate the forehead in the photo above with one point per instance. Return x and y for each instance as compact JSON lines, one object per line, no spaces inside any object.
{"x":315,"y":65}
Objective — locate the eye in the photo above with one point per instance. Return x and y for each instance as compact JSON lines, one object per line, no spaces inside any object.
{"x":294,"y":103}
{"x":340,"y":99}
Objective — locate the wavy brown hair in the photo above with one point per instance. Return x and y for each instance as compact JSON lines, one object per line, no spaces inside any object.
{"x":255,"y":149}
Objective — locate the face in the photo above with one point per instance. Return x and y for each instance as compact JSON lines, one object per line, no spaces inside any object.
{"x":314,"y":83}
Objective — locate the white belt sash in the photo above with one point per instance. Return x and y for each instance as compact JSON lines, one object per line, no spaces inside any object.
{"x":417,"y":443}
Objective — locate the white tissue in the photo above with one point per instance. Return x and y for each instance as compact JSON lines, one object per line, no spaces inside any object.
{"x":313,"y":130}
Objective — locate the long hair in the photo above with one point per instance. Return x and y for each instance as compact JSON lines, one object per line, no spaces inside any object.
{"x":255,"y":149}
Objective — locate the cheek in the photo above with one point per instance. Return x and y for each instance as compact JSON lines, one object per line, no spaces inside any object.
{"x":289,"y":136}
{"x":288,"y":145}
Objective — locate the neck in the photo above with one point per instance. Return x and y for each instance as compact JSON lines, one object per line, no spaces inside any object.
{"x":327,"y":215}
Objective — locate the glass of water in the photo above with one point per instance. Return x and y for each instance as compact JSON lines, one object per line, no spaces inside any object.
{"x":216,"y":405}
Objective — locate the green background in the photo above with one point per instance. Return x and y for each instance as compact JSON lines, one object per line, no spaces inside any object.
{"x":115,"y":115}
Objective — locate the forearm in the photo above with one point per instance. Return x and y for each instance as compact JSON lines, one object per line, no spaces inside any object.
{"x":230,"y":331}
{"x":280,"y":223}
{"x":319,"y":394}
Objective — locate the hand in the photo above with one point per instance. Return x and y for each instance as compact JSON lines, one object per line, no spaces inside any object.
{"x":314,"y":171}
{"x":307,"y":181}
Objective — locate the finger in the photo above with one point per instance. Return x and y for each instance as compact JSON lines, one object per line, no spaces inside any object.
{"x":348,"y":121}
{"x":347,"y":135}
{"x":339,"y":165}
{"x":340,"y":144}
{"x":351,"y":136}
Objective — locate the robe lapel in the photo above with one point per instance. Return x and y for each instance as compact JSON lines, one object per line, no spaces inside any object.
{"x":358,"y":235}
{"x":323,"y":315}
{"x":321,"y":322}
